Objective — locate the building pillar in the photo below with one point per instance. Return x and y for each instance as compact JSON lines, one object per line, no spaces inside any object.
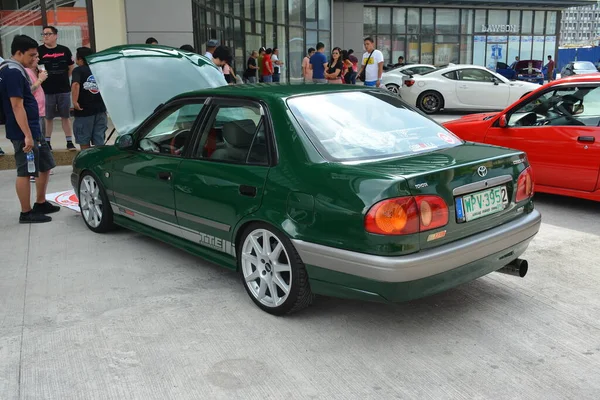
{"x":109,"y":23}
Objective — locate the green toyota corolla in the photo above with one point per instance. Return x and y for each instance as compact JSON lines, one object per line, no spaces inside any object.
{"x":304,"y":189}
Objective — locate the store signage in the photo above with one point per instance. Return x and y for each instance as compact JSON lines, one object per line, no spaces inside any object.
{"x":500,"y":28}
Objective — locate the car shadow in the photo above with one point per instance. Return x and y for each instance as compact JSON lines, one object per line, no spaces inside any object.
{"x":569,"y":212}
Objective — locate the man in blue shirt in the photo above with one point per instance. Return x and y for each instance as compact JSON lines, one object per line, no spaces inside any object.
{"x":318,"y":64}
{"x":24,"y":130}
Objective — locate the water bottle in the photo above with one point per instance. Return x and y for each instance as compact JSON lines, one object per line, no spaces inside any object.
{"x":30,"y":162}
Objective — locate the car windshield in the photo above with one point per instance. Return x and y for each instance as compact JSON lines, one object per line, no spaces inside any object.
{"x":584,"y":65}
{"x":351,"y":126}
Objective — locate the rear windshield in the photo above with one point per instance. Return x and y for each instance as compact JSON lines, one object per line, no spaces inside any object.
{"x":350,"y":126}
{"x":584,"y":65}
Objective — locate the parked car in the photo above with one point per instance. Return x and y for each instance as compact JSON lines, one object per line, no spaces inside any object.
{"x":506,"y":71}
{"x":303,"y":189}
{"x":394,"y":78}
{"x":578,"y":68}
{"x":462,"y":87}
{"x":530,"y":71}
{"x":557,"y":126}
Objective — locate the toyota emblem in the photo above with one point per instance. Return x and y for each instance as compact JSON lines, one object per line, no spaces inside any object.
{"x":482,"y":171}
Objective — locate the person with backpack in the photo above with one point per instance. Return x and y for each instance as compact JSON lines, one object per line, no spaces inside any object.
{"x":91,"y":121}
{"x":22,"y":120}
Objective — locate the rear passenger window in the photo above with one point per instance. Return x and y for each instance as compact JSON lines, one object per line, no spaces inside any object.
{"x":450,"y":75}
{"x":236,"y":135}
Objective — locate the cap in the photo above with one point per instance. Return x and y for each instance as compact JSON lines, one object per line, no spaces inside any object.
{"x":212,"y":43}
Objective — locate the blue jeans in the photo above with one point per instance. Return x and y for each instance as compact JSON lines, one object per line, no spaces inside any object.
{"x":276,"y":77}
{"x":371,"y":83}
{"x":268,"y":78}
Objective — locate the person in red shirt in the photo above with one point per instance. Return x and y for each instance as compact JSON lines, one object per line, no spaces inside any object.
{"x":267,"y":69}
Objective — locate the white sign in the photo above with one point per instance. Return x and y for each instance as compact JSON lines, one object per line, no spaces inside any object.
{"x":500,"y":28}
{"x":65,"y":199}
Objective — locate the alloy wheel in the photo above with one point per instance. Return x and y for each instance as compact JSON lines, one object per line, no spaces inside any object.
{"x":430,"y":102}
{"x":266,"y":268}
{"x":90,"y":201}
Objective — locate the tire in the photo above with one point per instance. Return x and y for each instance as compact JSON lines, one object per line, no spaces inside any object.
{"x":262,"y":271}
{"x":430,"y":102}
{"x":392,"y":87}
{"x":93,"y":202}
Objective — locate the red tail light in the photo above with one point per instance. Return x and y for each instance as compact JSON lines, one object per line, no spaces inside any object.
{"x":406,"y":215}
{"x":409,"y":82}
{"x":525,"y":185}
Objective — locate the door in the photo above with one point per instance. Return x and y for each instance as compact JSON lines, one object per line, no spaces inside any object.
{"x":224,"y":178}
{"x":559,"y":130}
{"x":480,"y":89}
{"x":143,"y":177}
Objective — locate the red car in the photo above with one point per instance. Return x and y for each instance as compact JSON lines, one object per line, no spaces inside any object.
{"x":558,"y":126}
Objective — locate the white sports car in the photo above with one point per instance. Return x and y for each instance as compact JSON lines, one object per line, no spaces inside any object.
{"x":463,"y":87}
{"x":394,"y":78}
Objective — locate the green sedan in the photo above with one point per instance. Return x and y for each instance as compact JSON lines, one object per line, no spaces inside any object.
{"x":334,"y":190}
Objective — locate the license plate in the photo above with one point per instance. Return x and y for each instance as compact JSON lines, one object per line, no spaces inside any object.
{"x":480,"y":204}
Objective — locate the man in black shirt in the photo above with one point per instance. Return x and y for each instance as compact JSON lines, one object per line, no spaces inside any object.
{"x":251,"y":68}
{"x":58,"y":61}
{"x":91,"y":121}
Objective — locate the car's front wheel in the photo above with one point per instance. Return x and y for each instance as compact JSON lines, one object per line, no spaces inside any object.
{"x":272,"y":271}
{"x":430,"y":102}
{"x":392,"y":87}
{"x":93,"y":202}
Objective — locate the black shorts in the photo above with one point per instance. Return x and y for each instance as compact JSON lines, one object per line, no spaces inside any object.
{"x":44,"y":161}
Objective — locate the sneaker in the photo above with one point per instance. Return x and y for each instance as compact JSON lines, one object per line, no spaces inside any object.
{"x":33,"y":218}
{"x":71,"y":146}
{"x":32,"y":179}
{"x":45,"y":208}
{"x":51,"y":172}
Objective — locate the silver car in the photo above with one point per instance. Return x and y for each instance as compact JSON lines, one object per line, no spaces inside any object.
{"x":578,"y":68}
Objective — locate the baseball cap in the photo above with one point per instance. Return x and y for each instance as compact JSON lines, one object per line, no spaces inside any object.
{"x":212,"y":43}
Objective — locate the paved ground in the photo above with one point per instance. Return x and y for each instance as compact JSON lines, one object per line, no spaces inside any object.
{"x":121,"y":316}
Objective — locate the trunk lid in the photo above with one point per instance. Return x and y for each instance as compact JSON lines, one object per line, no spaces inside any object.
{"x":135,"y":79}
{"x":453,"y":173}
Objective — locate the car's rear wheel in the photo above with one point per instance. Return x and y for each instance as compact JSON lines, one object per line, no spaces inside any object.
{"x":272,"y":271}
{"x":93,"y":202}
{"x":430,"y":102}
{"x":392,"y":87}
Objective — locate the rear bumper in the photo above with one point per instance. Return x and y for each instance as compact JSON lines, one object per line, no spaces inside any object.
{"x":497,"y":246}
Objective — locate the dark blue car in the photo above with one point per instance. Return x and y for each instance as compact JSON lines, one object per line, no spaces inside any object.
{"x":506,"y":71}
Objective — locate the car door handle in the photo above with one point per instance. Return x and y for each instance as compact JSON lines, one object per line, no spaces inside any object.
{"x":165,"y":176}
{"x":249,"y":191}
{"x":462,"y":86}
{"x":587,"y":139}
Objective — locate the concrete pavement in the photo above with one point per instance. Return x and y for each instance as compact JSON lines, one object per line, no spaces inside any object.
{"x":121,"y":316}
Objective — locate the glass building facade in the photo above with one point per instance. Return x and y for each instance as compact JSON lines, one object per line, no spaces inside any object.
{"x":246,"y":25}
{"x":458,"y":35}
{"x":73,"y":19}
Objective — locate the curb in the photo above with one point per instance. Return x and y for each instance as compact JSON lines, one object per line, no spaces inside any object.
{"x":61,"y":157}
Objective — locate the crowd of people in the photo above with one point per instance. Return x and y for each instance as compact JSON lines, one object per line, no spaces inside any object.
{"x":38,"y":84}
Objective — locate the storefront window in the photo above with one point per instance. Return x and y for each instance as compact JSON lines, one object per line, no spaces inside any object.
{"x":295,"y":14}
{"x":311,"y":14}
{"x":398,"y":48}
{"x":466,"y":49}
{"x":384,"y":44}
{"x":550,"y":48}
{"x":466,"y":21}
{"x":269,"y":4}
{"x":282,"y":43}
{"x":324,"y":14}
{"x":539,"y":22}
{"x":526,"y":21}
{"x":538,"y":48}
{"x":258,"y":15}
{"x":427,"y":21}
{"x":325,"y":37}
{"x":447,"y":21}
{"x":427,"y":49}
{"x":269,"y":35}
{"x":480,"y":20}
{"x":311,"y":39}
{"x":399,"y":20}
{"x":281,"y":11}
{"x":448,"y":52}
{"x":297,"y":50}
{"x":513,"y":49}
{"x":369,"y":20}
{"x":412,"y":21}
{"x":384,"y":15}
{"x":526,"y":47}
{"x":551,"y":23}
{"x":248,"y":9}
{"x":237,"y":8}
{"x":497,"y":17}
{"x":479,"y":50}
{"x":413,"y":49}
{"x":515,"y":18}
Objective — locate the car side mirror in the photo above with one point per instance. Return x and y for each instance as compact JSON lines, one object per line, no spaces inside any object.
{"x":578,"y":109}
{"x":495,"y":80}
{"x":125,"y":142}
{"x":503,"y":122}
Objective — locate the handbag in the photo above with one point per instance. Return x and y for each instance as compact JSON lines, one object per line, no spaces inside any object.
{"x":363,"y":73}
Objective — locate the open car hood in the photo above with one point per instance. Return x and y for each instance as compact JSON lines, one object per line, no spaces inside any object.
{"x":523,"y":66}
{"x":135,"y":79}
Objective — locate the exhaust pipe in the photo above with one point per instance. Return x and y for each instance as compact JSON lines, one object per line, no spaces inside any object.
{"x":517,"y":267}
